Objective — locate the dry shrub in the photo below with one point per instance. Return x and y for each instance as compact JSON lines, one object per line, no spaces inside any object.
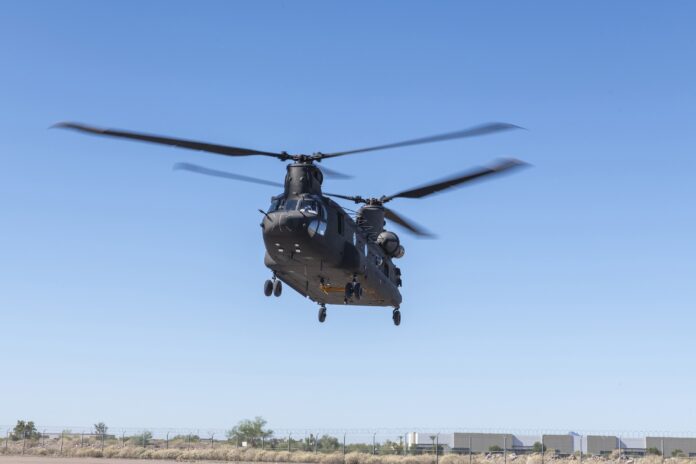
{"x":333,"y":458}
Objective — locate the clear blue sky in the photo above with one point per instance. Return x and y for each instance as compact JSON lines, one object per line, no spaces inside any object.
{"x":562,"y":296}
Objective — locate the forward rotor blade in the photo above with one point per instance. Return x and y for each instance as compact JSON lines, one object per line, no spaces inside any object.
{"x":180,"y":143}
{"x":223,"y":174}
{"x":355,"y":198}
{"x":483,"y":129}
{"x":420,"y":192}
{"x":407,"y":224}
{"x":334,"y":174}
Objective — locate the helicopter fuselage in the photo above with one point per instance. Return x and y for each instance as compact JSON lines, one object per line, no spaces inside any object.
{"x":314,"y":246}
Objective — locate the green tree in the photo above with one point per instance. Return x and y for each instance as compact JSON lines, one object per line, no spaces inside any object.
{"x":100,"y":429}
{"x":538,"y":447}
{"x":249,"y":431}
{"x":24,"y":429}
{"x":328,"y":443}
{"x":495,"y":449}
{"x":654,"y":451}
{"x":677,"y":453}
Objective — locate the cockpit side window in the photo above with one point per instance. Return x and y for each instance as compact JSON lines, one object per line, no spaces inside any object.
{"x":290,"y":205}
{"x":275,"y":205}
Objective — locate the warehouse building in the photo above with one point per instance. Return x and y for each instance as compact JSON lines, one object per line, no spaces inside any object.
{"x":562,"y":445}
{"x":669,"y":446}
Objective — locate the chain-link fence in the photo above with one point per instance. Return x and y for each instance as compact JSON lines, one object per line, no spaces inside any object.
{"x":305,"y":445}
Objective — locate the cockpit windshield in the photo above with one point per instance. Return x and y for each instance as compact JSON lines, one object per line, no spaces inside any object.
{"x":305,"y":205}
{"x":309,"y":206}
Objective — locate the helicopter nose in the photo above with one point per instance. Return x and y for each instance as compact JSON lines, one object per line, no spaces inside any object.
{"x":283,"y":223}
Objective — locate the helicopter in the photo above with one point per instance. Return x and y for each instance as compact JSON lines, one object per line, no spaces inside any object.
{"x":312,"y":243}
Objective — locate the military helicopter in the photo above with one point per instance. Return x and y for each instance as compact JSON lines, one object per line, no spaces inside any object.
{"x":312,"y":244}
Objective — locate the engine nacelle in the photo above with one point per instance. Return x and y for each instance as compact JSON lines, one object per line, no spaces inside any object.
{"x":389,"y":242}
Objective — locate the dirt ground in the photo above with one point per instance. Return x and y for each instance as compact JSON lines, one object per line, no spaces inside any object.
{"x":52,"y":460}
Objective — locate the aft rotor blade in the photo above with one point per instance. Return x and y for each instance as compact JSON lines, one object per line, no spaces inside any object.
{"x":407,"y":224}
{"x":223,"y":174}
{"x":180,"y":143}
{"x":420,"y":192}
{"x":483,"y":129}
{"x":334,"y":174}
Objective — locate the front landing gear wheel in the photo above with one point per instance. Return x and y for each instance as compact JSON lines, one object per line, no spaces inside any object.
{"x":322,"y":313}
{"x":396,"y":317}
{"x":268,"y":288}
{"x":277,"y":287}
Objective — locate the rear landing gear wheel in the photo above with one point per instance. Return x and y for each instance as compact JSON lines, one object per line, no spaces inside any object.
{"x":322,"y":313}
{"x":349,"y":292}
{"x":268,"y":288}
{"x":357,"y":290}
{"x":396,"y":317}
{"x":277,"y":287}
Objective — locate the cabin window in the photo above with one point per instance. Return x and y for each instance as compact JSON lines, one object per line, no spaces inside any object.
{"x":339,"y":223}
{"x":318,"y":225}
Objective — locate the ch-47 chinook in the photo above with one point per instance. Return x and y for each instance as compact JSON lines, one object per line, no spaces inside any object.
{"x":312,"y":243}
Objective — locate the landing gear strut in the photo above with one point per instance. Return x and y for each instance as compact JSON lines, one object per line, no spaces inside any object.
{"x":322,"y":313}
{"x":396,"y":316}
{"x":353,"y":290}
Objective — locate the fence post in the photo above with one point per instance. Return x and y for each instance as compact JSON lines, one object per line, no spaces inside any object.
{"x":662,"y":450}
{"x":437,"y":448}
{"x":344,"y":447}
{"x":123,"y":438}
{"x":470,"y":455}
{"x":62,"y":434}
{"x":144,"y":439}
{"x":263,"y":442}
{"x":374,"y":446}
{"x":580,"y":449}
{"x":24,"y":440}
{"x":82,"y":439}
{"x":619,"y":446}
{"x":212,"y":440}
{"x":167,"y":442}
{"x":543,"y":449}
{"x":505,"y":449}
{"x":316,"y":443}
{"x":43,"y":439}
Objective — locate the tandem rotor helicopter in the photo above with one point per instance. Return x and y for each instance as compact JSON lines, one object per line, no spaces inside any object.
{"x":312,"y":244}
